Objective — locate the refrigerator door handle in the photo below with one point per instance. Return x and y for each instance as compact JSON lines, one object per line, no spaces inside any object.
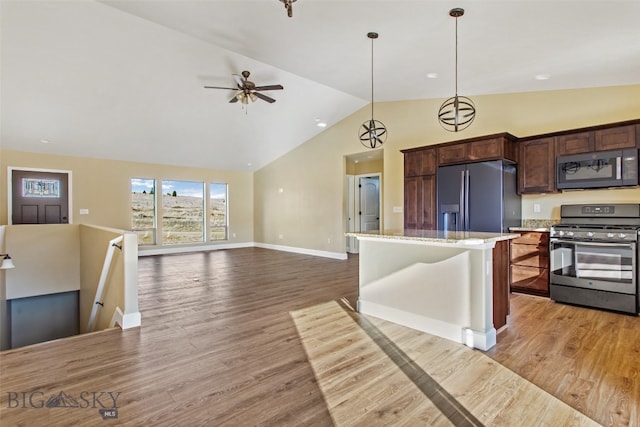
{"x":467,"y":220}
{"x":462,"y":221}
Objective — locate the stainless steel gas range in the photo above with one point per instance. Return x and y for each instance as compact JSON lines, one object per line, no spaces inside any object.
{"x":594,"y":256}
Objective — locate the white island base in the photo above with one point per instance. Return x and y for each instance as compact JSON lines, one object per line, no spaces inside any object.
{"x":433,"y":281}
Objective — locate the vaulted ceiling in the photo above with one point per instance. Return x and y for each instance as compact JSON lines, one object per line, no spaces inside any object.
{"x":125,"y":79}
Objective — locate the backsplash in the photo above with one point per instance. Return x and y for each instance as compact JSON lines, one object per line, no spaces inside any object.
{"x":538,"y":223}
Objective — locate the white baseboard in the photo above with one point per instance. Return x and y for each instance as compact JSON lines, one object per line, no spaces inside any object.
{"x":314,"y":252}
{"x":186,"y":249}
{"x":450,"y":331}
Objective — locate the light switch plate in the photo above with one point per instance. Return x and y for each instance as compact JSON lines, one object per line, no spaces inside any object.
{"x":84,"y":211}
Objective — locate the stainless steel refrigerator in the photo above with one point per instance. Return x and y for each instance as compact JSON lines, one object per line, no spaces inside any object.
{"x":478,"y":197}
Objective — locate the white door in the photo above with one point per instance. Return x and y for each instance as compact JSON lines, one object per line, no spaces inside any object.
{"x":369,"y":203}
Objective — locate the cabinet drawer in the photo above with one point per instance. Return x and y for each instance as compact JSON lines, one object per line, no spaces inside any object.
{"x":533,"y":238}
{"x":530,"y":255}
{"x":530,"y":278}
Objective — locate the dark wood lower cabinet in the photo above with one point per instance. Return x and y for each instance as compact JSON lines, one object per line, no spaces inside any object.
{"x":529,"y":268}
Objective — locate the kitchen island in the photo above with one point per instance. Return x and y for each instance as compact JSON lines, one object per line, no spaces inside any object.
{"x":439,"y":282}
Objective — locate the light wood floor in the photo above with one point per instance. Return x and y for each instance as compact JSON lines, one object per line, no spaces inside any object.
{"x":259,"y":337}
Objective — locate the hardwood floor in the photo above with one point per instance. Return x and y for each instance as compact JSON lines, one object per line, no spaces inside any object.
{"x":588,"y":358}
{"x":259,"y":337}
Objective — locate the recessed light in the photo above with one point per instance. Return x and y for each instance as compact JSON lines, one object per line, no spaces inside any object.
{"x":45,"y":141}
{"x":543,"y":76}
{"x":321,"y":124}
{"x":432,"y":75}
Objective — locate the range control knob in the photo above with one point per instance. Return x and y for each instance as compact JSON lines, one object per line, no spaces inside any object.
{"x":590,"y":234}
{"x":611,"y":235}
{"x":569,"y":233}
{"x":622,"y":236}
{"x":561,"y":233}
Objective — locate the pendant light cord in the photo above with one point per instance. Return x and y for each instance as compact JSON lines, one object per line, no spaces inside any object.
{"x":372,"y":78}
{"x":456,"y":56}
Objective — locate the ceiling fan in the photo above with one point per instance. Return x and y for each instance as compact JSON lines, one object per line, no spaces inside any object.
{"x":247,"y":90}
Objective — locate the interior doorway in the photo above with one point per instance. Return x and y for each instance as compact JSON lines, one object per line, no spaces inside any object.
{"x":39,"y":196}
{"x":364,"y":199}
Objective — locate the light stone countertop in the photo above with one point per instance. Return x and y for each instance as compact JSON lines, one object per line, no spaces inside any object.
{"x":438,"y":236}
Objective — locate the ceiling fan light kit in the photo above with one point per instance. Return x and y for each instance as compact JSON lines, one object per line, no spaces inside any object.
{"x":372,"y":133}
{"x":458,"y":112}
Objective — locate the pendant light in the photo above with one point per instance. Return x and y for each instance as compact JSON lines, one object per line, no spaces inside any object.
{"x":458,"y":112}
{"x":372,"y":133}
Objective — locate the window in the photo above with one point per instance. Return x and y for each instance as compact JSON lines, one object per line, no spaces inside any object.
{"x":218,"y":225}
{"x":143,"y":210}
{"x":182,"y":212}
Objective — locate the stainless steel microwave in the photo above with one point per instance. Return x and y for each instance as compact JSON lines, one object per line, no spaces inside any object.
{"x":600,"y":169}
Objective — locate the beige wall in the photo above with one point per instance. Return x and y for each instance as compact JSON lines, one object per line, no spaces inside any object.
{"x":309,"y":211}
{"x":298,"y":200}
{"x":104,"y":187}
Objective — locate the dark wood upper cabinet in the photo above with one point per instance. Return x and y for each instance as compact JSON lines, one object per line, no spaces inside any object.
{"x":575,"y":143}
{"x":615,"y":138}
{"x":537,"y":166}
{"x":420,"y":162}
{"x":455,"y":153}
{"x":420,"y":188}
{"x":492,"y":147}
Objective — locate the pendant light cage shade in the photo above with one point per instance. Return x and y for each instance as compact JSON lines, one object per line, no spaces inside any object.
{"x":372,"y":133}
{"x":457,"y":112}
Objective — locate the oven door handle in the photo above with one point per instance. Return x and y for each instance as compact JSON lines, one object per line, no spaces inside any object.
{"x":599,"y":244}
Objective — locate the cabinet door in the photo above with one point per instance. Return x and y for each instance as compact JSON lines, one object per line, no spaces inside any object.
{"x":575,"y":143}
{"x":412,"y":211}
{"x":536,"y":168}
{"x":420,"y":202}
{"x":451,"y":154}
{"x":411,"y":164}
{"x":616,"y":138}
{"x":486,"y":149}
{"x":428,"y":161}
{"x":418,"y":163}
{"x":428,"y":202}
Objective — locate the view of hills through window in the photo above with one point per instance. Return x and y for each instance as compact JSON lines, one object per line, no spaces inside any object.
{"x":181,"y":212}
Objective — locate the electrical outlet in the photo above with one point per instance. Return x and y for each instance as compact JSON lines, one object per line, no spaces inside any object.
{"x":84,"y":211}
{"x":536,"y":207}
{"x":280,"y":236}
{"x":397,"y":209}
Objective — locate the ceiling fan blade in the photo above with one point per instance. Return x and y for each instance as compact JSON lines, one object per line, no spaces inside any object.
{"x":271,"y":87}
{"x":218,"y":87}
{"x":264,"y":97}
{"x":233,"y":100}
